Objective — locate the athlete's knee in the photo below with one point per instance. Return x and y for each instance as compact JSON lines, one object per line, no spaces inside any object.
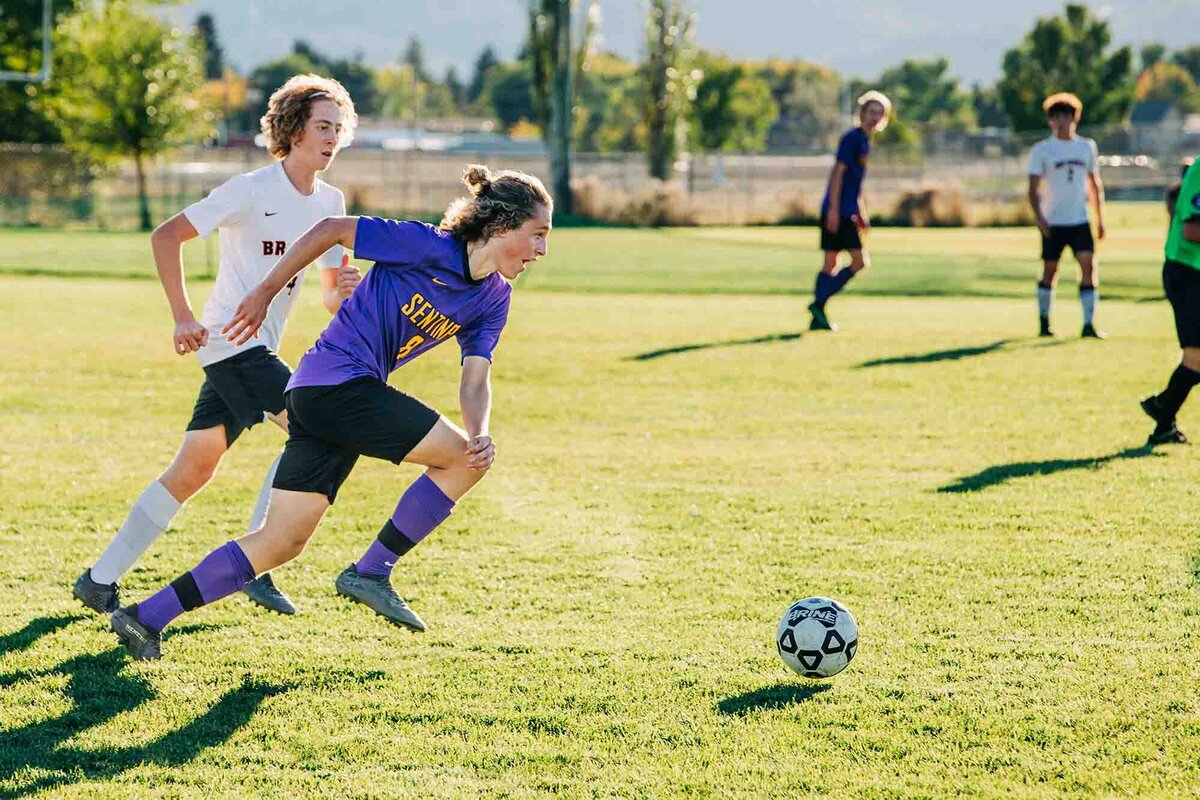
{"x":190,"y":471}
{"x":1191,"y":358}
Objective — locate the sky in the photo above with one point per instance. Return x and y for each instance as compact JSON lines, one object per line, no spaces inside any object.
{"x":859,"y":38}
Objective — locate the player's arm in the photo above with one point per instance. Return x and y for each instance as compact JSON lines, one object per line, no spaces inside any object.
{"x":1035,"y":201}
{"x":475,"y":399}
{"x":864,"y":222}
{"x":835,"y":196}
{"x":308,"y":248}
{"x":337,"y":284}
{"x":1096,"y":189}
{"x":167,"y":243}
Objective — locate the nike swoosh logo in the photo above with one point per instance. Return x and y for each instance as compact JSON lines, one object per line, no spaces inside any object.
{"x":270,"y":213}
{"x":440,"y":282}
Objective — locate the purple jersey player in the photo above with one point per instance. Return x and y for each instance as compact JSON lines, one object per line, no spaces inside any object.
{"x":427,"y":285}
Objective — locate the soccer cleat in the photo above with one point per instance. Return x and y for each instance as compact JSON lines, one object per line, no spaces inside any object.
{"x":1089,"y":332}
{"x":1167,"y":435}
{"x":819,"y":322}
{"x":143,"y":644}
{"x":1044,"y":328}
{"x":104,"y":598}
{"x":376,"y":592}
{"x":262,"y":590}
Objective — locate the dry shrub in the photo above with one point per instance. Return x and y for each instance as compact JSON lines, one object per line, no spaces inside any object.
{"x":794,"y":210}
{"x":1003,"y":214}
{"x":655,"y":205}
{"x":930,"y":207}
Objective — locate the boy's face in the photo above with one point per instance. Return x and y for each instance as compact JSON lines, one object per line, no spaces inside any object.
{"x":1061,"y":121}
{"x":319,"y":142}
{"x":870,"y":117}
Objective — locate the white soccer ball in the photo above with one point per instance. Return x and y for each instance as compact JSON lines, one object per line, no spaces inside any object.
{"x":817,"y":637}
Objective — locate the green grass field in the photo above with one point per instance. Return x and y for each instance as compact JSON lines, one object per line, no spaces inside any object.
{"x":674,"y":469}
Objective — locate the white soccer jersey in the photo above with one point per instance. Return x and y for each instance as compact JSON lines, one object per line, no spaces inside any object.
{"x":260,"y":214}
{"x":1065,"y":165}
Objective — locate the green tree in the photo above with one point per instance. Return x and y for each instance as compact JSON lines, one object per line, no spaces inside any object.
{"x":808,"y":97}
{"x":1152,"y":53}
{"x":928,"y":96}
{"x":1067,"y":53}
{"x":454,"y":85}
{"x":487,"y":59}
{"x":1189,"y":59}
{"x":23,"y":114}
{"x":128,"y":87}
{"x":669,"y":81}
{"x":214,"y":56}
{"x":1168,"y":83}
{"x":733,"y":109}
{"x":414,"y":56}
{"x":510,"y":92}
{"x":608,"y":113}
{"x":989,"y":111}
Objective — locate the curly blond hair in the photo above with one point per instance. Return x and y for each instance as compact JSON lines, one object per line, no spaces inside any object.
{"x":875,"y":96}
{"x":1064,"y":100}
{"x":290,"y":107}
{"x":500,"y":201}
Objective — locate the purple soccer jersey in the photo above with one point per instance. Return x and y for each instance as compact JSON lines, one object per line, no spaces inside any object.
{"x":418,"y":294}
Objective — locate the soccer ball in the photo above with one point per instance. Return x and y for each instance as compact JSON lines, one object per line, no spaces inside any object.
{"x":817,"y":637}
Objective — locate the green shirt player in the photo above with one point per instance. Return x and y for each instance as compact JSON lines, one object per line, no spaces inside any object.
{"x":1181,"y":280}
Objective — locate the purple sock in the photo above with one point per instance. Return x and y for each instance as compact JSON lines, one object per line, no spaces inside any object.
{"x":422,"y":508}
{"x":221,"y":573}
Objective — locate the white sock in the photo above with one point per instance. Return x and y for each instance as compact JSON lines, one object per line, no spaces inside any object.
{"x":149,"y":517}
{"x":1045,"y":299}
{"x":264,"y":497}
{"x":1089,"y":297}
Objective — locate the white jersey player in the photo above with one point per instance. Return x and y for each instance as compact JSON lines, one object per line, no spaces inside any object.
{"x":1063,"y":170}
{"x":259,"y":215}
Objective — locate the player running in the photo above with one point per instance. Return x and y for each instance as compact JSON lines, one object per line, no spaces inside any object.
{"x":1181,"y":280}
{"x":427,"y":285}
{"x":1068,"y":168}
{"x":260,"y":215}
{"x":843,"y":213}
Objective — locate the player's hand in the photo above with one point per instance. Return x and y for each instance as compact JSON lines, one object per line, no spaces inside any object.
{"x":1043,"y":226}
{"x":190,"y":336}
{"x":833,"y":221}
{"x":1099,"y":230}
{"x":863,"y":222}
{"x":347,"y":278}
{"x":481,"y":452}
{"x":248,"y":317}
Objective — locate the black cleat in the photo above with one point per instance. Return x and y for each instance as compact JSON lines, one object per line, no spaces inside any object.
{"x":1167,"y":435}
{"x":1044,"y":328}
{"x":143,"y":644}
{"x":1089,"y":332}
{"x":819,"y":322}
{"x":104,"y":598}
{"x":376,"y":592}
{"x":262,"y":590}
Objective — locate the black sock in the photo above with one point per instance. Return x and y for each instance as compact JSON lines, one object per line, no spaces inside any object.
{"x":1181,"y":383}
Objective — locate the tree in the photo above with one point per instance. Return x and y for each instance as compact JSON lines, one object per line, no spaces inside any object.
{"x":927,"y":96}
{"x":989,"y":111}
{"x":23,"y":114}
{"x":669,"y":81}
{"x":214,"y":57}
{"x":414,"y":56}
{"x":128,"y":87}
{"x":1068,"y":53}
{"x":733,"y":109}
{"x":454,"y":85}
{"x":487,"y":59}
{"x":1152,"y":53}
{"x":1189,"y":59}
{"x":608,"y":112}
{"x":1168,"y":83}
{"x":809,"y":99}
{"x":510,"y":92}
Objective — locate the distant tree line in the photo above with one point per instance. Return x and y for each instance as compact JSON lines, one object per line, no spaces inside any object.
{"x":128,"y":85}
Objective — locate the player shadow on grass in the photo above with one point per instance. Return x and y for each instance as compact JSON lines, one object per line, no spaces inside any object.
{"x":959,"y":352}
{"x":687,"y":348}
{"x":36,"y":757}
{"x":781,"y":695}
{"x":994,"y":476}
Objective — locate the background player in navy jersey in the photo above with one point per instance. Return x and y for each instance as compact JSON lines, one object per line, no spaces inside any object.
{"x":427,"y":285}
{"x":1063,"y":170}
{"x":259,"y":215}
{"x":843,"y":213}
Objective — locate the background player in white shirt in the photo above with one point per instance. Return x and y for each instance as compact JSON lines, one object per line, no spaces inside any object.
{"x":1063,"y":170}
{"x":259,"y":215}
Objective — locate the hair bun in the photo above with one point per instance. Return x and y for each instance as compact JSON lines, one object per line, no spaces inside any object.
{"x":478,"y":178}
